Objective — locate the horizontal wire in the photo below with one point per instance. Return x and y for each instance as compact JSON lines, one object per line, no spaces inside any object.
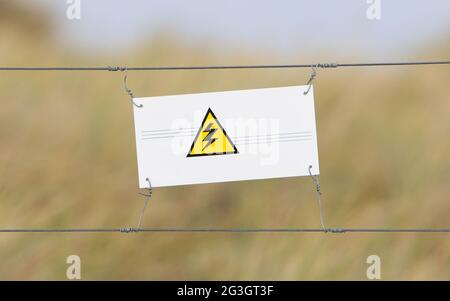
{"x":171,"y":68}
{"x":228,"y":230}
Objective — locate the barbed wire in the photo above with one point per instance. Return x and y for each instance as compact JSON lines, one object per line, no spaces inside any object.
{"x":215,"y":67}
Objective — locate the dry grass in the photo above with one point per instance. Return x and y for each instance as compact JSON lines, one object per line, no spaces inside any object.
{"x":67,"y":159}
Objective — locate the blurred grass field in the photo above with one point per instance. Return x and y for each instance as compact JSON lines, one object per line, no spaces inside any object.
{"x":67,"y":159}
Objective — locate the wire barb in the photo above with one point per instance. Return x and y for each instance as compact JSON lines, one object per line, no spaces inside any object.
{"x":129,"y":230}
{"x":327,"y":65}
{"x":116,"y":68}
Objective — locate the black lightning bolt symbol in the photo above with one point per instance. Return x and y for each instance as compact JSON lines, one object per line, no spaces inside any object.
{"x":208,"y":138}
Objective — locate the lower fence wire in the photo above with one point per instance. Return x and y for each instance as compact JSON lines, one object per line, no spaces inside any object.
{"x":227,"y":230}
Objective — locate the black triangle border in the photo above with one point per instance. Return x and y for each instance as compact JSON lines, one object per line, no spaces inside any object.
{"x":200,"y":130}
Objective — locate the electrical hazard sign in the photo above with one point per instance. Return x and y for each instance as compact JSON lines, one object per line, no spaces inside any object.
{"x":225,"y":136}
{"x":211,"y":139}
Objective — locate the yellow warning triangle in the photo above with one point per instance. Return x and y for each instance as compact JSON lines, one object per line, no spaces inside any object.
{"x":211,"y":139}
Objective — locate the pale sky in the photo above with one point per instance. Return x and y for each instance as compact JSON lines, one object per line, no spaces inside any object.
{"x":282,"y":25}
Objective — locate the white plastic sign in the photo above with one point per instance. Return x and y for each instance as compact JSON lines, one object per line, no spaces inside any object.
{"x":225,"y":136}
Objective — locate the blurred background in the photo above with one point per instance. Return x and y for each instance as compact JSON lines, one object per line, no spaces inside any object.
{"x":67,"y":149}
